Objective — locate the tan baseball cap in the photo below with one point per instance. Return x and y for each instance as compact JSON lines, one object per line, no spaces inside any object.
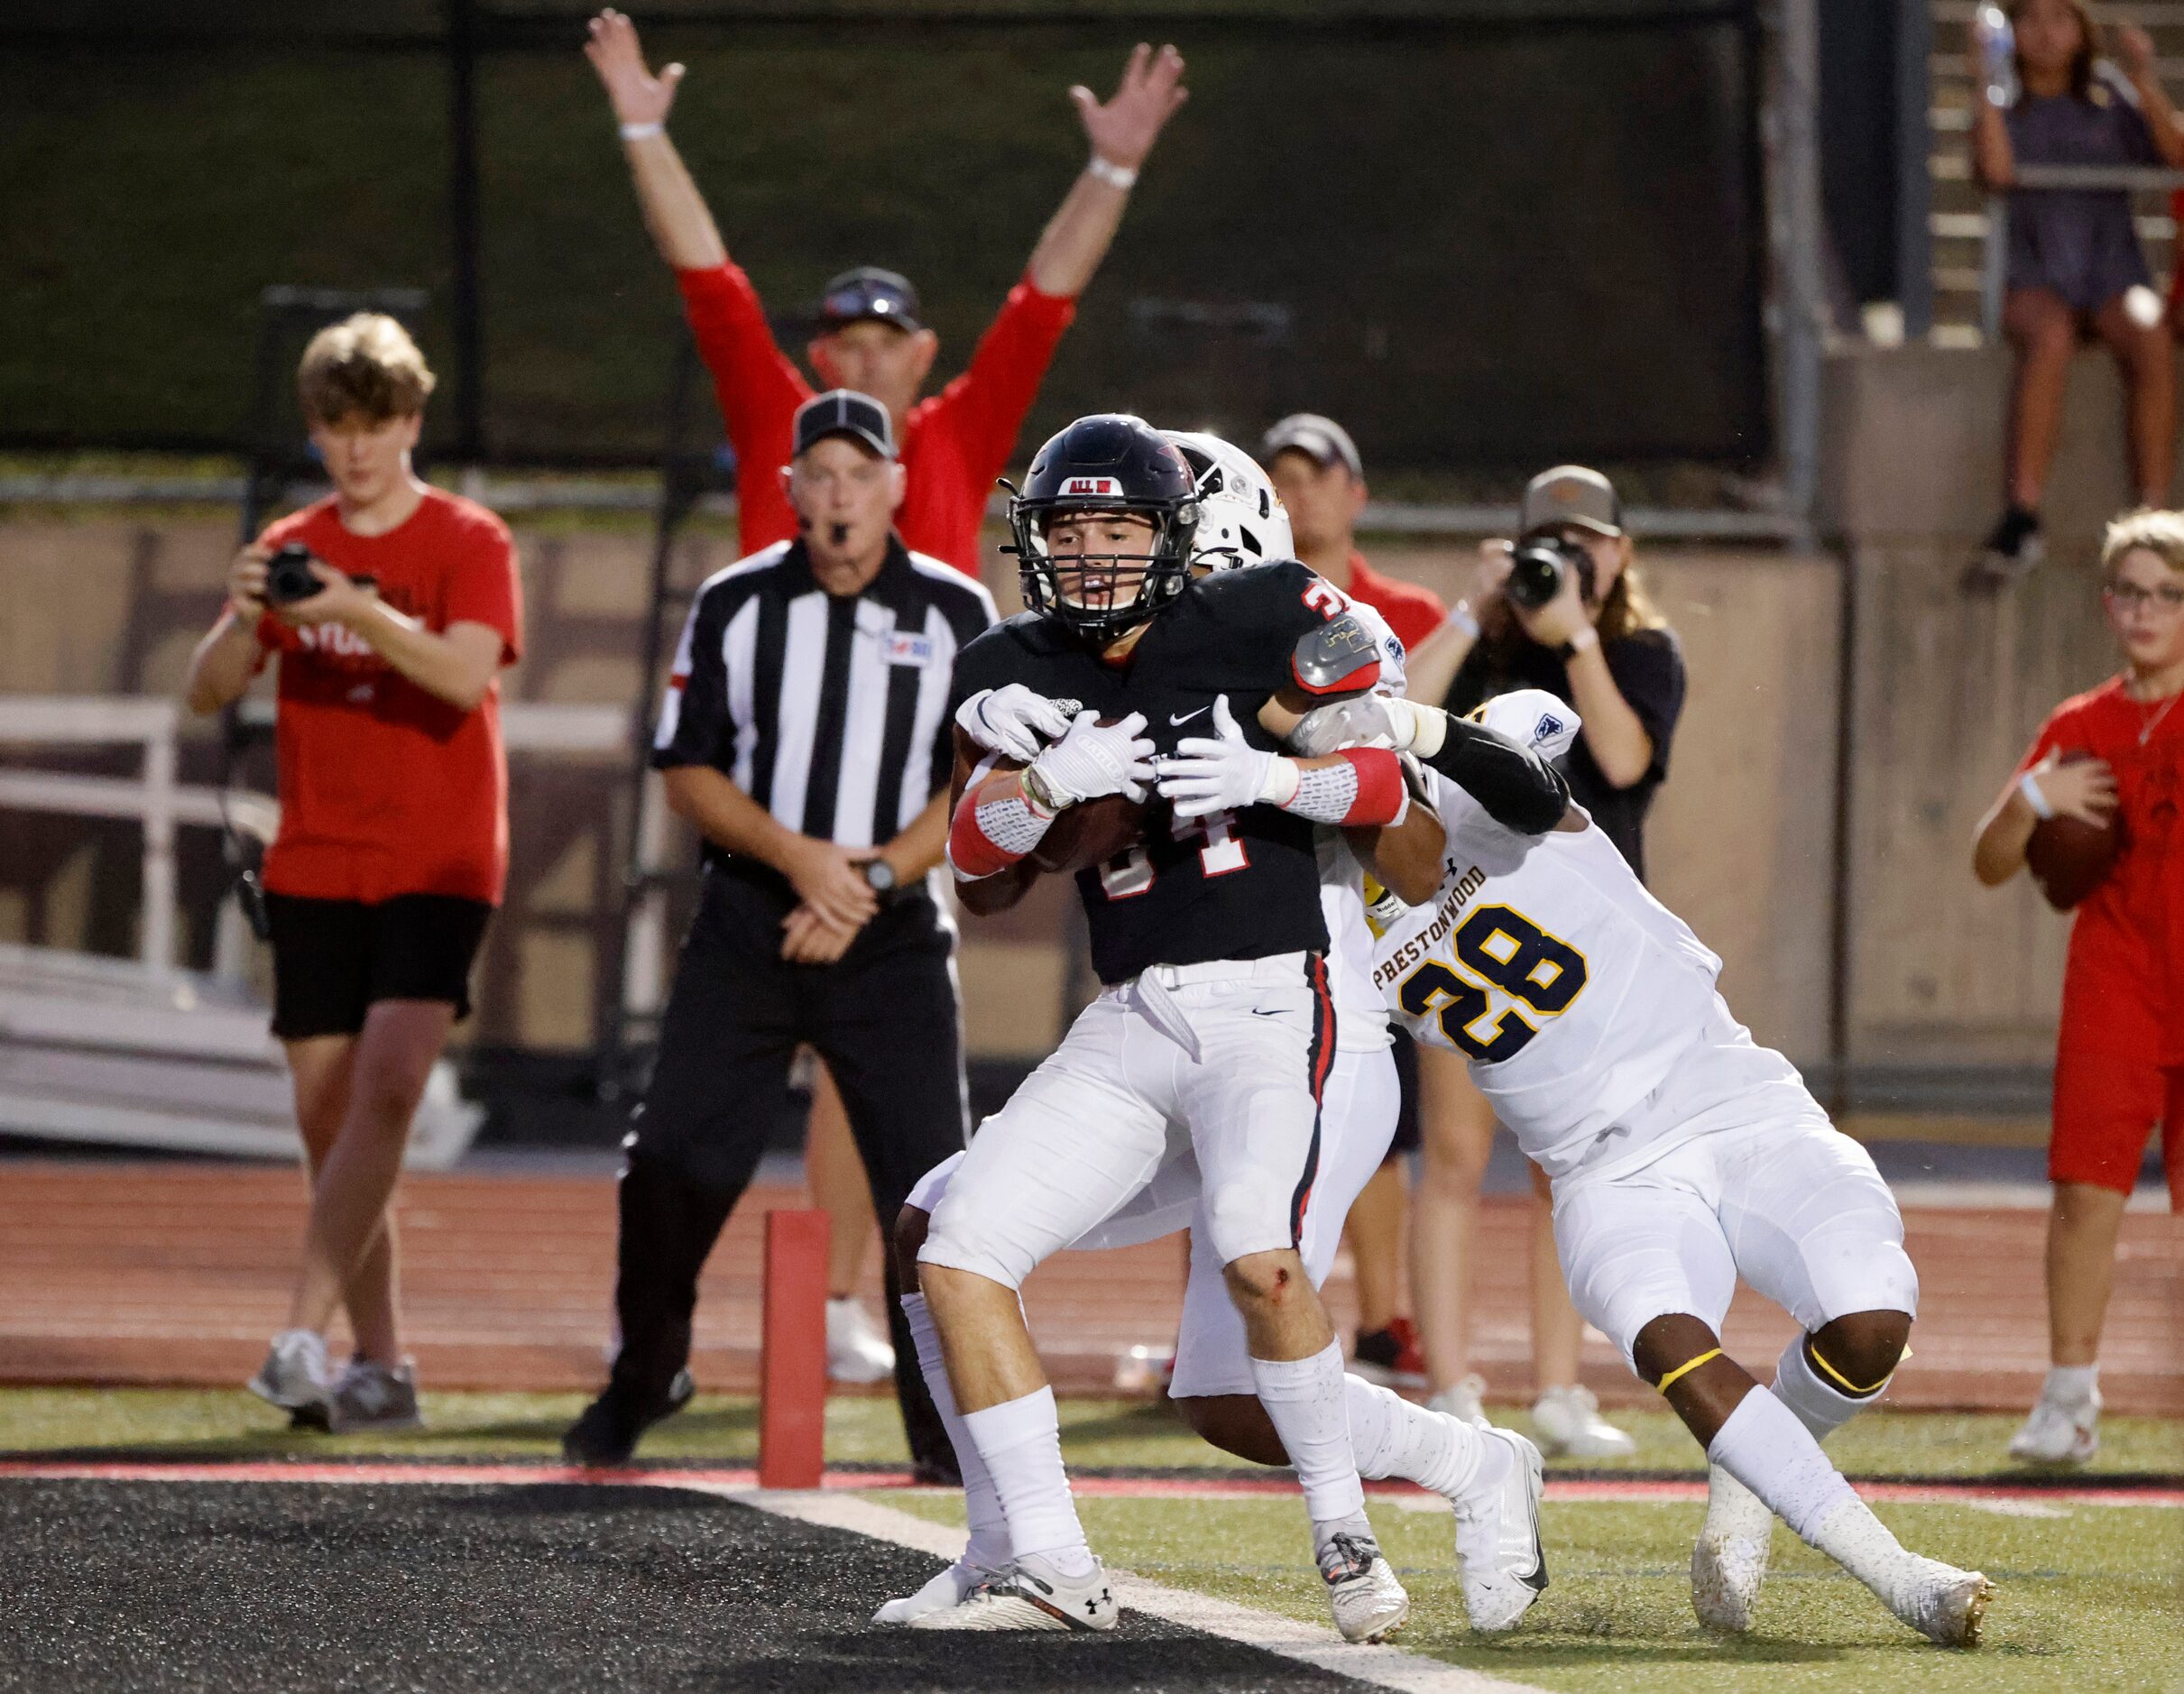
{"x":1571,"y":493}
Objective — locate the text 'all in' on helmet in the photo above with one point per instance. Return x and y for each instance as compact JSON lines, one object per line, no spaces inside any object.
{"x":1109,"y":463}
{"x":1240,"y":519}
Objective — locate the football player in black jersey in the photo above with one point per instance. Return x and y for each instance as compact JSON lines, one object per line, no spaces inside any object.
{"x":1213,"y":1036}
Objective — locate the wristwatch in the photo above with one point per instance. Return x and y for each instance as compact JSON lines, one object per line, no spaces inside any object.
{"x":879,"y":876}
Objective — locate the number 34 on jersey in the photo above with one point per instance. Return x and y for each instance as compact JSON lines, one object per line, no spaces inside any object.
{"x":1488,"y":981}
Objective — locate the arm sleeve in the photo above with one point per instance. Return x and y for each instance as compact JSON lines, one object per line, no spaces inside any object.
{"x":985,"y":407}
{"x":1648,"y":671}
{"x":1513,"y":785}
{"x":485,"y":587}
{"x":759,"y":391}
{"x":694,"y":724}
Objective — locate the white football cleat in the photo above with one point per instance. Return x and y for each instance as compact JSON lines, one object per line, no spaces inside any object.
{"x":1370,"y":1603}
{"x":1942,"y":1603}
{"x":1032,"y":1594}
{"x":856,"y":1351}
{"x":1566,"y":1423}
{"x":2059,"y":1432}
{"x":295,"y":1375}
{"x":1463,"y":1400}
{"x":1729,"y":1562}
{"x":1497,"y":1538}
{"x":946,"y":1590}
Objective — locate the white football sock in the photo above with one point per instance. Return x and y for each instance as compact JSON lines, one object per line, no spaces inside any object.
{"x":1307,"y":1398}
{"x":1765,"y":1448}
{"x":989,"y":1546}
{"x":2072,"y":1385}
{"x":1020,"y":1441}
{"x":1393,"y":1438}
{"x":1820,"y":1407}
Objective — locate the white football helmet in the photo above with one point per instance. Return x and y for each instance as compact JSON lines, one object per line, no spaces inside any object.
{"x":1241,"y":520}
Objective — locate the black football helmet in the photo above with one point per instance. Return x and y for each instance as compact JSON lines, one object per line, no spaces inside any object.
{"x":1108,"y":463}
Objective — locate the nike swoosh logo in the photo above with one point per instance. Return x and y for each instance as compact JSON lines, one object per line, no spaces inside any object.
{"x":1186,"y":717}
{"x":1276,"y":1012}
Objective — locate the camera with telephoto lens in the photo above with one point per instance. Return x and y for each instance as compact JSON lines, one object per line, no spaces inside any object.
{"x":1538,"y":567}
{"x":288,"y":576}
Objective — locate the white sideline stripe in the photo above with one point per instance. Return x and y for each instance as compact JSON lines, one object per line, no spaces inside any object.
{"x":1285,"y":1637}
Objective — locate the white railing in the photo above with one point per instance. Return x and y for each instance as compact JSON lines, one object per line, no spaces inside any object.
{"x":160,"y":802}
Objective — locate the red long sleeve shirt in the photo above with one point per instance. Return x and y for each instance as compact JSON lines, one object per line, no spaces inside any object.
{"x":954,"y":444}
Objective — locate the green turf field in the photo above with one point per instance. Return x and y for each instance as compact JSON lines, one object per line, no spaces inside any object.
{"x":211,"y":1422}
{"x":2088,"y":1596}
{"x":2086,"y":1600}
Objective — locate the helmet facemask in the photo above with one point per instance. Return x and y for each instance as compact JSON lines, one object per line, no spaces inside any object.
{"x":1098,"y":594}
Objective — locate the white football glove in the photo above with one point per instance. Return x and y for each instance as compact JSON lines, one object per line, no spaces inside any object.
{"x":1223,"y":772}
{"x":1364,"y":720}
{"x":1089,"y":762}
{"x":1014,"y":720}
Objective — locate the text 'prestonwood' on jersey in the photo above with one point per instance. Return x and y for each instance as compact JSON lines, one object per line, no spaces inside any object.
{"x":1237,"y":885}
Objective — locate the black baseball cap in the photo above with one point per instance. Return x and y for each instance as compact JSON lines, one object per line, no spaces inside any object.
{"x":870,"y":294}
{"x":1322,"y":440}
{"x":1571,"y":494}
{"x":843,"y":412}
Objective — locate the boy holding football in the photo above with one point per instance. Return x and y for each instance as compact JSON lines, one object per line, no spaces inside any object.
{"x":2112,"y":758}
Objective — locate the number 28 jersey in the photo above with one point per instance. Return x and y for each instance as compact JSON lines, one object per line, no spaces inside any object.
{"x":1545,"y":962}
{"x":1237,"y":885}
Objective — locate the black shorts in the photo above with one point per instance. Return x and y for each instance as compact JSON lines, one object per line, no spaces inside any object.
{"x":1406,"y":1077}
{"x":331,"y":959}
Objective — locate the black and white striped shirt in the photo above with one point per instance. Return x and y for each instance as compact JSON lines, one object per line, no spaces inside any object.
{"x":830,"y":712}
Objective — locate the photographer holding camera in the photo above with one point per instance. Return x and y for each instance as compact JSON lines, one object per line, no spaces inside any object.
{"x":1561,"y":609}
{"x":394,"y":607}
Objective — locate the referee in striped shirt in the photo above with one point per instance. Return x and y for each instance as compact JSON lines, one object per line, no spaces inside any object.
{"x":806,"y":733}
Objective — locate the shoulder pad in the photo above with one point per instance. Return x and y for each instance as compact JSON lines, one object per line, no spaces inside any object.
{"x":1339,"y":656}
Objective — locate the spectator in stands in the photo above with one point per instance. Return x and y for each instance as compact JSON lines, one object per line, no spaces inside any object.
{"x":1320,"y":478}
{"x":393,"y":841}
{"x":953,"y":444}
{"x":2075,"y":269}
{"x":1599,"y":645}
{"x":2114,"y":757}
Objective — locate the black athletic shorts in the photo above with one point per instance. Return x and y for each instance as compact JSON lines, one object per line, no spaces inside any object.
{"x":1406,"y":1075}
{"x":331,"y":959}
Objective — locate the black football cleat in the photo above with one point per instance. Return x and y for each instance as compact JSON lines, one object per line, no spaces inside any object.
{"x":607,"y":1434}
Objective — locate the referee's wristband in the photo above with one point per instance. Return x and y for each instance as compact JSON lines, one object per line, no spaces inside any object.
{"x":638,"y":132}
{"x":2029,"y":788}
{"x":1115,"y":176}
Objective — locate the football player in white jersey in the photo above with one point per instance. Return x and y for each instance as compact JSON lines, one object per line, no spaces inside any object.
{"x":1681,"y":1155}
{"x":1492,"y":1477}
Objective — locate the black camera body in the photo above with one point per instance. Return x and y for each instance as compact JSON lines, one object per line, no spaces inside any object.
{"x":288,"y":575}
{"x":1538,"y":567}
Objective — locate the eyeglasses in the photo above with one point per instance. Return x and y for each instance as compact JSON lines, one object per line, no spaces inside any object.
{"x":2130,"y":596}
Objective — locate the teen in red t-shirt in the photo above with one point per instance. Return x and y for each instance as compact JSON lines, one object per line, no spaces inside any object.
{"x":394,"y":839}
{"x":953,"y":446}
{"x":2119,"y":1061}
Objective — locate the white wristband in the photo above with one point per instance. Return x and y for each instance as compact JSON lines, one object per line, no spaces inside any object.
{"x":1114,"y":175}
{"x":1586,"y":636}
{"x":2029,"y":788}
{"x":638,"y":132}
{"x":1462,"y":617}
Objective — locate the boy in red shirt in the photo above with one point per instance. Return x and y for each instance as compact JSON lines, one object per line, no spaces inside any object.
{"x":2119,"y":1061}
{"x":393,"y":841}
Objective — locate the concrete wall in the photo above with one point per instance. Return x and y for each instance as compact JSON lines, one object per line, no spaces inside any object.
{"x":1741,"y":838}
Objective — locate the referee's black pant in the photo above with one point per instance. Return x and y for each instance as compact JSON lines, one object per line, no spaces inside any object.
{"x":885,"y":1020}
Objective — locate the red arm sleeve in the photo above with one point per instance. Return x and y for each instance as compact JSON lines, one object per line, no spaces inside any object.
{"x":985,"y":408}
{"x":758,"y":389}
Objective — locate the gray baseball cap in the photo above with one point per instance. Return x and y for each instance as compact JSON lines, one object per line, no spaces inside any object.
{"x":1571,"y":493}
{"x":869,"y":294}
{"x":1322,"y":440}
{"x":843,"y":412}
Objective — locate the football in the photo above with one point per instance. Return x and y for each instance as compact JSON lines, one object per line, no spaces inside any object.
{"x":1089,"y":834}
{"x":2068,"y":858}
